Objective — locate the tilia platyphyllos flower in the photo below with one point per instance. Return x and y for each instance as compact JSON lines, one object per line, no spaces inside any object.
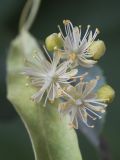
{"x":48,"y":76}
{"x":53,"y":77}
{"x":77,"y":47}
{"x":84,"y":103}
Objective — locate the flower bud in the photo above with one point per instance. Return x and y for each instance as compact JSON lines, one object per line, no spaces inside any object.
{"x":53,"y":41}
{"x":106,"y":92}
{"x":97,"y":49}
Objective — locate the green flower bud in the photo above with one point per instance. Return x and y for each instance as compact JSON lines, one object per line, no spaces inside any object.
{"x":97,"y":49}
{"x":106,"y":92}
{"x":53,"y":41}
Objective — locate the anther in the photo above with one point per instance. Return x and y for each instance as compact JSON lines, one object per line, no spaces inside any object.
{"x":97,"y":30}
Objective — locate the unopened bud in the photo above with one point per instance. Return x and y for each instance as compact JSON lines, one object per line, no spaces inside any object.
{"x":97,"y":49}
{"x":53,"y":41}
{"x":106,"y":92}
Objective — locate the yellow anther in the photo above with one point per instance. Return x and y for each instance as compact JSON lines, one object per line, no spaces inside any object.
{"x":66,"y":21}
{"x":97,"y":30}
{"x":103,"y":111}
{"x":92,"y":126}
{"x":88,"y":26}
{"x":71,"y":125}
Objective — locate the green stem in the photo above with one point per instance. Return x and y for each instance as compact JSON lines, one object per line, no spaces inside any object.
{"x":28,"y":14}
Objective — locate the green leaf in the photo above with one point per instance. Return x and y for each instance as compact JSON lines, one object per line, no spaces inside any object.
{"x":51,"y":137}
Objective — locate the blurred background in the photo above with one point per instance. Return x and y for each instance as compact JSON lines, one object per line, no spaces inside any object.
{"x":105,"y":14}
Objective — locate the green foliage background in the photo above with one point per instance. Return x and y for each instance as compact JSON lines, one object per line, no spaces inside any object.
{"x":14,"y":141}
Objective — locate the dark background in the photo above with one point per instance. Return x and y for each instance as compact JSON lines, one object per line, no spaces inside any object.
{"x":105,"y":14}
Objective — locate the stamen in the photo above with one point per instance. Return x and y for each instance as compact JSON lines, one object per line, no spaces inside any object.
{"x":83,"y":76}
{"x":36,"y":56}
{"x":68,"y":82}
{"x":47,"y":95}
{"x":94,"y":118}
{"x":96,"y":102}
{"x":66,"y":93}
{"x":59,"y":93}
{"x":97,"y":30}
{"x":61,"y":32}
{"x":86,"y":34}
{"x":35,"y":53}
{"x":93,"y":113}
{"x":65,"y":22}
{"x":92,"y":126}
{"x":103,"y":111}
{"x":47,"y":53}
{"x":102,"y":100}
{"x":88,"y":26}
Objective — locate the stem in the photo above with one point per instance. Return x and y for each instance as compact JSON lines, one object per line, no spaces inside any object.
{"x":28,"y":14}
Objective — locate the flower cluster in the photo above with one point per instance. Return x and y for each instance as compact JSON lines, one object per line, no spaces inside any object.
{"x":76,"y":47}
{"x":54,"y":76}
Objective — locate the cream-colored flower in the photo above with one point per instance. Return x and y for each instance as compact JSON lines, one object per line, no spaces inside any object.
{"x":48,"y":76}
{"x":84,"y":103}
{"x":75,"y":46}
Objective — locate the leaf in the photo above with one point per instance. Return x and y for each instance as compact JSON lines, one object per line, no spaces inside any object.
{"x":93,"y":133}
{"x":51,"y":137}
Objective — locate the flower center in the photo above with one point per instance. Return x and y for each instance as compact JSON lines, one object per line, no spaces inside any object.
{"x":78,"y":102}
{"x":52,"y":77}
{"x":72,"y":56}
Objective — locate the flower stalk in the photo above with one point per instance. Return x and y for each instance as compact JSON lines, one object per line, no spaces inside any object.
{"x":28,"y":14}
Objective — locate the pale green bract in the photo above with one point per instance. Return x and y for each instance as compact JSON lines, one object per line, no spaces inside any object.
{"x":51,"y":137}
